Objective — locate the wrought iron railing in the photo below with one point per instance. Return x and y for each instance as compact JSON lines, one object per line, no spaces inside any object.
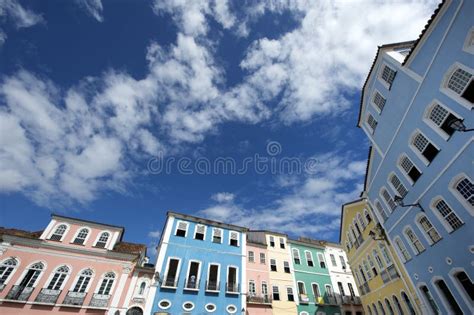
{"x":356,"y":300}
{"x":191,"y":284}
{"x":100,"y":300}
{"x":331,"y":300}
{"x":259,"y":299}
{"x":48,"y":296}
{"x":19,"y":293}
{"x":74,"y":298}
{"x":170,"y":282}
{"x":232,"y":287}
{"x":212,"y":285}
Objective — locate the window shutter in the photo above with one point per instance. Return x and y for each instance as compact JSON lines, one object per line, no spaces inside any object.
{"x":217,"y":232}
{"x":200,"y":229}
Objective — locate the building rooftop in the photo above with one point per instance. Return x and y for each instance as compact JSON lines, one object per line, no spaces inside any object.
{"x":206,"y":221}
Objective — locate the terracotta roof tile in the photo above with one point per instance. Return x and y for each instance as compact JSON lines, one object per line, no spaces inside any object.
{"x":129,"y":248}
{"x":20,"y":233}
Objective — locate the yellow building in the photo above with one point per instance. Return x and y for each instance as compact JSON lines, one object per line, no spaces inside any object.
{"x":282,"y":285}
{"x":383,"y":284}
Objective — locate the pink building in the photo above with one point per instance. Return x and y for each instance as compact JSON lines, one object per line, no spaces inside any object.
{"x":73,"y":266}
{"x":259,"y":300}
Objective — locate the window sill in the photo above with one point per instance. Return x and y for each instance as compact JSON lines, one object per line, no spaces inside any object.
{"x":231,"y":292}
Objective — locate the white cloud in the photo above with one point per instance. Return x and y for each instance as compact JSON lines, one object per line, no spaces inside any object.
{"x":93,"y":7}
{"x":20,"y":16}
{"x":223,"y":197}
{"x":154,"y":234}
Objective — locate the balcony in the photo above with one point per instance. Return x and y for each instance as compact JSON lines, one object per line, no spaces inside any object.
{"x":356,"y":300}
{"x":74,"y":298}
{"x":191,"y":284}
{"x":331,"y":300}
{"x":48,"y":296}
{"x":212,"y":286}
{"x":364,"y":289}
{"x":19,"y":293}
{"x":303,"y":298}
{"x":392,"y":271}
{"x":358,"y":241}
{"x":349,"y":300}
{"x":232,"y":288}
{"x":100,"y":300}
{"x":170,"y":282}
{"x":259,"y":299}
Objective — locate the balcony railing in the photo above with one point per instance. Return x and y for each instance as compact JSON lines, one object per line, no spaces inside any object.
{"x":170,"y":282}
{"x":75,"y":298}
{"x":48,"y":296}
{"x":346,"y":299}
{"x":356,"y":300}
{"x":19,"y":293}
{"x":303,"y":298}
{"x":259,"y":299}
{"x":331,"y":300}
{"x":100,"y":300}
{"x":191,"y":284}
{"x":364,"y":289}
{"x":212,"y":286}
{"x":232,"y":287}
{"x":392,"y":271}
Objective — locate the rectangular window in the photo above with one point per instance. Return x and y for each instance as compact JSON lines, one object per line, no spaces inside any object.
{"x":272,"y":241}
{"x":388,"y":75}
{"x":426,"y":148}
{"x":262,"y":258}
{"x":282,"y":243}
{"x":251,"y":256}
{"x":273,"y":266}
{"x":217,"y":235}
{"x":232,"y":285}
{"x":410,"y":169}
{"x":351,"y":289}
{"x":371,"y":122}
{"x":379,"y":101}
{"x":309,"y":258}
{"x":333,"y":260}
{"x":329,"y":291}
{"x":234,"y":239}
{"x":286,"y":266}
{"x":200,"y":232}
{"x":192,"y":280}
{"x":417,"y":246}
{"x":213,"y":278}
{"x":322,"y":263}
{"x":448,"y":215}
{"x":442,"y":118}
{"x":401,"y":247}
{"x":171,"y":277}
{"x":341,"y":288}
{"x":316,"y":291}
{"x":276,"y":293}
{"x":296,"y":256}
{"x":265,"y":291}
{"x":399,"y":187}
{"x":289,"y":292}
{"x":252,"y":288}
{"x":181,"y":229}
{"x":343,"y":262}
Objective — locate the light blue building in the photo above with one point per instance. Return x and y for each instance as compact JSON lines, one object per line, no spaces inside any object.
{"x":416,"y":103}
{"x":200,"y":268}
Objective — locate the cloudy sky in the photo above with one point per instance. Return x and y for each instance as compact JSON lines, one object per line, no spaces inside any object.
{"x":97,"y":97}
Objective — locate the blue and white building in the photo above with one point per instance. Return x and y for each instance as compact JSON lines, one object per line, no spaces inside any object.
{"x":416,"y":104}
{"x":200,"y":268}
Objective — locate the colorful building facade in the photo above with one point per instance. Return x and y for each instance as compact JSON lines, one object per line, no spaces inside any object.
{"x":416,"y":110}
{"x":72,"y":266}
{"x":380,"y":276}
{"x":201,"y":266}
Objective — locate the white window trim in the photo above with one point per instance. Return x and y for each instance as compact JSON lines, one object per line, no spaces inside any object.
{"x":364,"y":217}
{"x":306,"y":257}
{"x":443,"y":300}
{"x":270,"y":264}
{"x":15,"y":268}
{"x":73,"y":284}
{"x":280,"y":239}
{"x":379,"y":74}
{"x":42,"y":272}
{"x":178,"y":269}
{"x":457,"y":195}
{"x":238,"y":237}
{"x":328,"y":286}
{"x":254,"y":285}
{"x":260,"y":258}
{"x":165,"y":300}
{"x":102,"y":278}
{"x":107,"y":244}
{"x":231,"y":305}
{"x":412,"y":246}
{"x":177,"y":225}
{"x":253,"y":256}
{"x":142,"y":280}
{"x":46,"y":283}
{"x":366,"y":121}
{"x":210,"y":304}
{"x":218,"y":275}
{"x":293,"y":254}
{"x":375,"y":91}
{"x":198,"y":275}
{"x":451,"y":94}
{"x":188,"y":309}
{"x":270,"y":237}
{"x":399,"y":251}
{"x":425,"y":235}
{"x":312,"y":289}
{"x":459,"y":287}
{"x":304,"y":313}
{"x":77,"y":233}
{"x":415,"y":150}
{"x":53,"y":230}
{"x":387,"y":206}
{"x":304,"y":288}
{"x":446,"y":225}
{"x":319,"y":260}
{"x":405,"y":174}
{"x":213,"y":234}
{"x":466,"y":47}
{"x":392,"y":188}
{"x":236,"y":278}
{"x":434,"y":126}
{"x":195,"y":231}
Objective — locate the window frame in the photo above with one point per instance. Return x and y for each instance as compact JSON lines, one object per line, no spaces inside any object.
{"x":14,"y":268}
{"x":277,"y":292}
{"x":395,"y":189}
{"x":107,"y":243}
{"x":214,"y":229}
{"x":452,"y":94}
{"x":415,"y":149}
{"x":79,"y":229}
{"x":426,"y":119}
{"x":177,"y":226}
{"x":323,"y":261}
{"x":403,"y":156}
{"x":415,"y":250}
{"x":196,"y":231}
{"x":198,"y":277}
{"x":372,"y":101}
{"x":465,"y":295}
{"x":209,"y":274}
{"x":178,"y":270}
{"x":54,"y":272}
{"x":398,"y":240}
{"x":369,"y":126}
{"x":53,"y":231}
{"x":286,"y":267}
{"x":251,"y":256}
{"x":452,"y":188}
{"x":78,"y":276}
{"x":440,"y":217}
{"x":102,"y":279}
{"x":237,"y":238}
{"x":293,"y":250}
{"x":386,"y":84}
{"x":425,"y":234}
{"x":236,"y":279}
{"x":310,"y":258}
{"x":275,"y":264}
{"x":264,"y":258}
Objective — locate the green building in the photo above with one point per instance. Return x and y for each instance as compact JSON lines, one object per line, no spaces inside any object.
{"x":313,"y":283}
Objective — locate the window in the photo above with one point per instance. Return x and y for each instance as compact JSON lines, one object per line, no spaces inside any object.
{"x":389,"y":307}
{"x":81,"y":236}
{"x":296,"y":256}
{"x":213,"y":278}
{"x":232,"y":309}
{"x":423,"y":146}
{"x":381,"y":211}
{"x":329,"y":291}
{"x":164,"y":304}
{"x":372,"y":265}
{"x":418,"y":248}
{"x":273,"y":266}
{"x":427,"y":295}
{"x":265,"y":290}
{"x":251,"y":256}
{"x":397,"y":304}
{"x":361,"y":221}
{"x":282,"y":243}
{"x":410,"y":169}
{"x":382,"y":310}
{"x":367,"y":269}
{"x":371,"y":122}
{"x":388,"y":75}
{"x":385,"y":254}
{"x":466,"y":283}
{"x":374,"y":309}
{"x":401,"y":247}
{"x":398,"y":186}
{"x":30,"y":277}
{"x":309,"y":258}
{"x":6,"y":269}
{"x":448,"y":296}
{"x":449,"y":216}
{"x":58,"y":278}
{"x":272,"y":241}
{"x":429,"y":230}
{"x":333,"y":260}
{"x":276,"y":293}
{"x":351,"y":289}
{"x":301,"y":288}
{"x":286,"y":267}
{"x":83,"y":281}
{"x":466,"y":189}
{"x":462,"y":84}
{"x":232,"y":285}
{"x":181,"y":229}
{"x":469,"y":42}
{"x":102,"y":241}
{"x":188,"y":306}
{"x":262,"y":258}
{"x":289,"y":292}
{"x":192,"y":278}
{"x":316,"y":291}
{"x":252,"y":288}
{"x":388,"y":199}
{"x":375,"y":253}
{"x":368,"y":218}
{"x":322,"y":263}
{"x":107,"y":283}
{"x":441,"y":118}
{"x":379,"y":101}
{"x":341,"y":288}
{"x":59,"y":232}
{"x":217,"y":235}
{"x":200,"y":232}
{"x":343,"y":262}
{"x":142,"y":288}
{"x":234,"y":239}
{"x":172,"y":271}
{"x":210,"y":307}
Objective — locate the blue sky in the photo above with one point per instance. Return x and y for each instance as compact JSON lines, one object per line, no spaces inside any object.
{"x":92,"y":92}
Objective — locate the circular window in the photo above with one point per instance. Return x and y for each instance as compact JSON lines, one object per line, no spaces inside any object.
{"x":210,"y":307}
{"x":232,"y":309}
{"x":415,"y":276}
{"x":471,"y":249}
{"x":449,"y":261}
{"x":430,"y":269}
{"x":164,"y":304}
{"x":188,"y":306}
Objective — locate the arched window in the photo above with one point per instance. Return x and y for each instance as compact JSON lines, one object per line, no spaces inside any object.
{"x":409,"y":168}
{"x":81,"y":236}
{"x":465,"y":188}
{"x":448,"y":297}
{"x":83,"y":281}
{"x":389,"y":307}
{"x":430,"y":231}
{"x":6,"y":269}
{"x":429,"y":298}
{"x":403,"y":250}
{"x":378,"y":101}
{"x":141,"y":289}
{"x":382,"y":310}
{"x":381,"y":210}
{"x":417,"y":247}
{"x":408,"y":303}
{"x":461,"y":83}
{"x":58,"y":278}
{"x":377,"y":259}
{"x":371,"y":123}
{"x":397,"y":305}
{"x":59,"y":232}
{"x":32,"y":275}
{"x":451,"y":219}
{"x":374,"y":309}
{"x":135,"y":311}
{"x":423,"y":146}
{"x":102,"y":241}
{"x":388,"y":199}
{"x":397,"y":185}
{"x":463,"y":279}
{"x":361,"y":221}
{"x":106,"y":284}
{"x":439,"y":117}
